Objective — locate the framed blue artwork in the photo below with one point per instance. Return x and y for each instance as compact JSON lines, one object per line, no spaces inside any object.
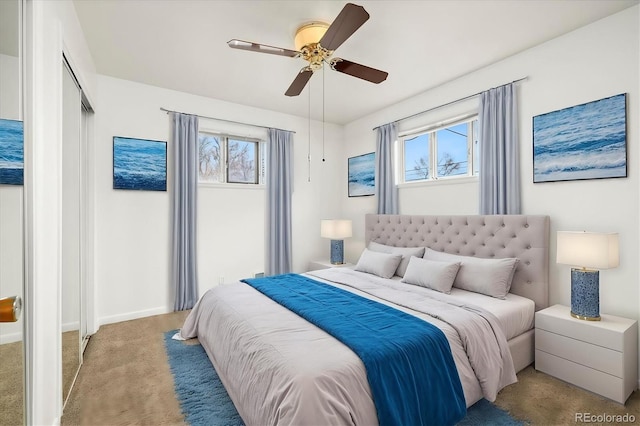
{"x":139,"y":164}
{"x":11,"y":152}
{"x":362,"y":175}
{"x":587,"y":141}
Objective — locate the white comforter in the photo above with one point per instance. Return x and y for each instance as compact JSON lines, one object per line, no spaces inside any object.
{"x":280,"y":369}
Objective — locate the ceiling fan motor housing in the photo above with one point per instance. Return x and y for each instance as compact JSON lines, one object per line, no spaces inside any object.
{"x":315,"y":54}
{"x":307,"y":40}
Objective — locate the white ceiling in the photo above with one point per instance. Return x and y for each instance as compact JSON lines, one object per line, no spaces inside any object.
{"x":181,"y":45}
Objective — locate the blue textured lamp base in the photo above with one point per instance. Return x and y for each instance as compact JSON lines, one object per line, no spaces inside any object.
{"x":585,"y":294}
{"x":337,"y":252}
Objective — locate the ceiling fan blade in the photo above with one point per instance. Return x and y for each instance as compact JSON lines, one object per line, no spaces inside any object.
{"x":299,"y":82}
{"x":263,"y":48}
{"x":346,"y":23}
{"x":361,"y":71}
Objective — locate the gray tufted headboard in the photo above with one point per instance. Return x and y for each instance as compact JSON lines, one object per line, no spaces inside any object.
{"x":493,"y":236}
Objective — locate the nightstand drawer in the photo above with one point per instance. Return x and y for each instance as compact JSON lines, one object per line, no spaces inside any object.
{"x":579,"y":375}
{"x":593,"y":356}
{"x":610,"y":332}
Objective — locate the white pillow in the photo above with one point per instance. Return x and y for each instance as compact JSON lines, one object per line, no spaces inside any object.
{"x":381,"y":264}
{"x":486,"y":276}
{"x":406,"y":253}
{"x":432,"y":274}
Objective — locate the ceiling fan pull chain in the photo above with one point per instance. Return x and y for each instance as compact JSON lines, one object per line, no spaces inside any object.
{"x":309,"y":140}
{"x":323,"y":114}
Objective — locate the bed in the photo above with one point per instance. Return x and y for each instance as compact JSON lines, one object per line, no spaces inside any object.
{"x":278,"y":368}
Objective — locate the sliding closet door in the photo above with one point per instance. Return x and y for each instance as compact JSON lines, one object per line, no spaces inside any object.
{"x":71,"y":229}
{"x":84,"y":198}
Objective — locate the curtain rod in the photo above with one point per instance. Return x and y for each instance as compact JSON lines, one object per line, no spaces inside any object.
{"x":228,"y":121}
{"x":444,"y":105}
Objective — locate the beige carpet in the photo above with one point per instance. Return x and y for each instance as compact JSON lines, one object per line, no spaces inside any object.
{"x":11,"y":376}
{"x":11,"y":388}
{"x":543,"y":400}
{"x":70,"y":359}
{"x":125,"y":380}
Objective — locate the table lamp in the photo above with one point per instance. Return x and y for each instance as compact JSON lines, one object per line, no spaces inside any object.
{"x":588,"y":252}
{"x":337,"y":230}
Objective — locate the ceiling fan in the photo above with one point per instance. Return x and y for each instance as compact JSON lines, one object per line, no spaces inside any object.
{"x":315,"y":42}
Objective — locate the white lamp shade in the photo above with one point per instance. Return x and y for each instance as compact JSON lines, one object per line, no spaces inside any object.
{"x":337,"y":229}
{"x":588,"y":249}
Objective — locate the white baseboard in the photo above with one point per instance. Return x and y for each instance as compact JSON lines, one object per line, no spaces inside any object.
{"x":16,"y":337}
{"x":133,"y":315}
{"x":10,"y":338}
{"x":71,"y":326}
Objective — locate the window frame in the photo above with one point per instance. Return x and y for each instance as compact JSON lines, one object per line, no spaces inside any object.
{"x":430,"y":131}
{"x":259,"y":160}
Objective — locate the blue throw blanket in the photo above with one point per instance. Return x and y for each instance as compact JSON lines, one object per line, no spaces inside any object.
{"x":409,"y":364}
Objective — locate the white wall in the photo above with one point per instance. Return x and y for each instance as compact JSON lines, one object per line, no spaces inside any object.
{"x":9,"y":87}
{"x":132,"y":245}
{"x":591,"y":63}
{"x":452,"y":197}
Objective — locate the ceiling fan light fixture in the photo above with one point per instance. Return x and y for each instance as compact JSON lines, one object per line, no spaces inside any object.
{"x":309,"y":33}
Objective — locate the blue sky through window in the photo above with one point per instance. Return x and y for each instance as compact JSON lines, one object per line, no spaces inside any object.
{"x":414,"y":149}
{"x":451,"y":151}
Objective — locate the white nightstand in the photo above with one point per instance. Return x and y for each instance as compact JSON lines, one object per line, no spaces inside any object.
{"x":599,"y":356}
{"x":314,"y":265}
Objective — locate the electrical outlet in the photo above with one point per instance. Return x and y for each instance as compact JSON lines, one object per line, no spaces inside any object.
{"x":221,"y":280}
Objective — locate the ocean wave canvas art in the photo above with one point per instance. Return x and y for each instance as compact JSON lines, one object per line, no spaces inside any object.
{"x":11,"y":152}
{"x":362,"y":175}
{"x":587,"y":141}
{"x":139,"y":164}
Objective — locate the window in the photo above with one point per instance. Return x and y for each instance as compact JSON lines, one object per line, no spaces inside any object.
{"x":441,"y":152}
{"x":230,"y":159}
